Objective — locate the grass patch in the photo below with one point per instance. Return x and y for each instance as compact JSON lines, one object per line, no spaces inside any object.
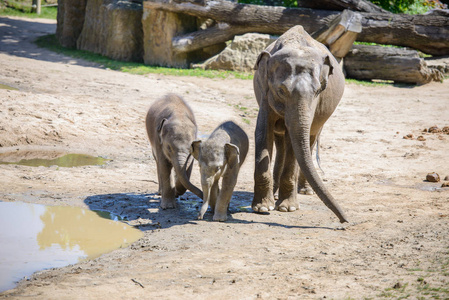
{"x":51,"y":43}
{"x":368,"y":83}
{"x":25,"y":11}
{"x":431,"y":283}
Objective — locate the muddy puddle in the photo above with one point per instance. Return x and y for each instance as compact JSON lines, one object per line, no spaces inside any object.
{"x":423,"y":186}
{"x":7,"y":87}
{"x":48,"y":158}
{"x":36,"y":237}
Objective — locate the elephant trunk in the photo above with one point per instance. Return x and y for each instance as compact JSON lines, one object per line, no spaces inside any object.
{"x":298,"y":122}
{"x":181,"y":165}
{"x":206,"y":199}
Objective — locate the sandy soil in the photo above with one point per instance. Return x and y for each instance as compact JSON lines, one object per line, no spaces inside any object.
{"x":395,"y":245}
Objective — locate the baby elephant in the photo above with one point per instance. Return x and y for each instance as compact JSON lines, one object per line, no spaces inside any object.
{"x":171,"y":128}
{"x":221,"y":155}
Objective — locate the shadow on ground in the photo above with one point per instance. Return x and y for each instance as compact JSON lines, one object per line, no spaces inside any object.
{"x":143,"y":211}
{"x":17,"y":37}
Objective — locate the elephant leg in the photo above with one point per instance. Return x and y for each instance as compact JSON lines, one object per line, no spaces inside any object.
{"x":279,"y":161}
{"x":205,"y":206}
{"x":214,"y":192}
{"x":303,"y":186}
{"x":159,"y":180}
{"x":166,"y":183}
{"x":288,"y":180}
{"x":224,"y":197}
{"x":263,"y":200}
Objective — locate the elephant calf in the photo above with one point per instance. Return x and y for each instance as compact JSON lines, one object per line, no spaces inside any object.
{"x":171,"y":128}
{"x":221,"y":155}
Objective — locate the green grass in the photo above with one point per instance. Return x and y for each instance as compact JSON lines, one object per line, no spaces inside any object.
{"x":430,"y":283}
{"x":46,"y":12}
{"x":50,"y":42}
{"x":368,"y":83}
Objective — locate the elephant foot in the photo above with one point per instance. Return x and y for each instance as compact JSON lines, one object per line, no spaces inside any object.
{"x":306,"y":190}
{"x":220,"y":217}
{"x":285,"y":209}
{"x":287,"y":206}
{"x":168,"y":204}
{"x":263,"y":207}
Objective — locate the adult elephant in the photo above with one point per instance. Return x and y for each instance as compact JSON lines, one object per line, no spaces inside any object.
{"x":298,"y":84}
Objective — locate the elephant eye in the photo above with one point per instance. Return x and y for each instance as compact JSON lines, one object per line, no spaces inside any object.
{"x":282,"y":91}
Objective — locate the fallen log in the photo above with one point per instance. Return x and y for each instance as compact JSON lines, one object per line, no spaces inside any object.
{"x":265,"y":19}
{"x":340,"y":33}
{"x":427,"y":33}
{"x":365,"y":62}
{"x":354,"y":5}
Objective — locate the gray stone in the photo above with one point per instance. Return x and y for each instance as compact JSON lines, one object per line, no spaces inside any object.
{"x":240,"y":55}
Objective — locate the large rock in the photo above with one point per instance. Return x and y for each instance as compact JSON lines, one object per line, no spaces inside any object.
{"x":113,"y":28}
{"x":70,"y":21}
{"x":240,"y":55}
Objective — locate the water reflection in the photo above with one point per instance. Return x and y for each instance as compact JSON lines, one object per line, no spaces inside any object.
{"x":36,"y":237}
{"x":67,"y":161}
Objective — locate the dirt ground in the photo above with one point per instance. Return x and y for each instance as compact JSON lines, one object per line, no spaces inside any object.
{"x":396,"y":244}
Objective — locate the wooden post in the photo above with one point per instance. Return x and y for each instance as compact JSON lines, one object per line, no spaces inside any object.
{"x":36,"y":7}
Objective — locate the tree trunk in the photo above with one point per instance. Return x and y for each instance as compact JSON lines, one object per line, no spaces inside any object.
{"x":428,"y":33}
{"x":388,"y":63}
{"x":340,"y":33}
{"x":263,"y":19}
{"x":354,"y":5}
{"x":70,"y":21}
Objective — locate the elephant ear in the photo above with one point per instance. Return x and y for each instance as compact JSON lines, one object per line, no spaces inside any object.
{"x":262,"y":60}
{"x":326,"y":71}
{"x":195,"y":149}
{"x":159,"y":129}
{"x":261,"y":75}
{"x":232,"y":154}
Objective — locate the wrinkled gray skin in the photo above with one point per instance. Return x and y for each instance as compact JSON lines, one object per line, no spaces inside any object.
{"x":298,"y":84}
{"x":220,"y":156}
{"x":171,"y":128}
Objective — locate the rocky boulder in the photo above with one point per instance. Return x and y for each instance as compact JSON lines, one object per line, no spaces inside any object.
{"x":240,"y":55}
{"x":113,"y":28}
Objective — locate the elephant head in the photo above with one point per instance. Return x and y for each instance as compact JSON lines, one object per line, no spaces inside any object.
{"x":302,"y":83}
{"x":214,"y":159}
{"x":175,"y":138}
